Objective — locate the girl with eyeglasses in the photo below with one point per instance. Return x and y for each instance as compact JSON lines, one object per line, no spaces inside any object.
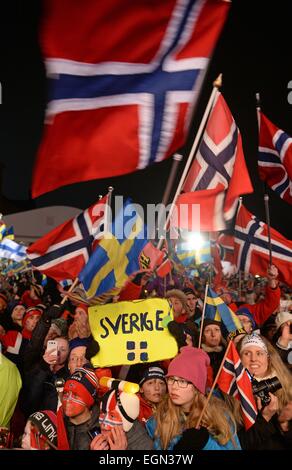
{"x":173,"y":426}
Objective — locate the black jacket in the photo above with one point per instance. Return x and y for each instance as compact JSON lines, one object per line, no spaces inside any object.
{"x":263,"y":435}
{"x":39,"y":392}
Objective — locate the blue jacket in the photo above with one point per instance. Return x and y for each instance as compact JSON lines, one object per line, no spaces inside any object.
{"x":212,"y":444}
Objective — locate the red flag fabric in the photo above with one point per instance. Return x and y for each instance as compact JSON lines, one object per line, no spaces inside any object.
{"x":123,"y":78}
{"x":63,"y":252}
{"x":252,"y":247}
{"x":275,"y":158}
{"x":234,"y":381}
{"x":218,"y":175}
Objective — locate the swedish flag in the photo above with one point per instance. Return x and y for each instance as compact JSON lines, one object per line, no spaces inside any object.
{"x":193,"y":257}
{"x":118,"y":255}
{"x":216,"y":309}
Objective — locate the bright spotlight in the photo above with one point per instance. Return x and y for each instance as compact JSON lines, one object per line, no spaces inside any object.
{"x":194,"y":241}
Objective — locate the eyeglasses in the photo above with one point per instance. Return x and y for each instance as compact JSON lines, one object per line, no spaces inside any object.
{"x":180,"y":382}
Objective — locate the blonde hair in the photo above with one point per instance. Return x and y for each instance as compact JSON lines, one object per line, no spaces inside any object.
{"x":277,"y":368}
{"x":172,"y":421}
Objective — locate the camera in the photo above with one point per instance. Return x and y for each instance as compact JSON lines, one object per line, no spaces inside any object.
{"x":262,"y":389}
{"x":94,"y":432}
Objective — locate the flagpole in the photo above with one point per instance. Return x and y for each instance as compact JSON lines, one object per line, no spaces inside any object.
{"x":70,"y":290}
{"x":266,"y":200}
{"x":177,"y":158}
{"x":203,"y":315}
{"x":266,"y":196}
{"x":213,"y":386}
{"x":216,"y":85}
{"x":107,"y":208}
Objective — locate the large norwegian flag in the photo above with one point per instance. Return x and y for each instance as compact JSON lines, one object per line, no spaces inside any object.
{"x":218,"y":175}
{"x":63,"y":252}
{"x":235,"y":381}
{"x":123,"y":78}
{"x":252,"y":247}
{"x":275,"y":158}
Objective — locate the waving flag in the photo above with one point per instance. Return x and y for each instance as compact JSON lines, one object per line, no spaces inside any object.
{"x":123,"y":78}
{"x":12,"y":250}
{"x":120,"y":254}
{"x":63,"y":252}
{"x":275,"y":158}
{"x":216,"y":309}
{"x":193,"y":256}
{"x":252,"y":247}
{"x":218,"y":174}
{"x":235,"y":381}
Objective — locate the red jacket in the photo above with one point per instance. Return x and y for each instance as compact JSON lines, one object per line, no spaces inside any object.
{"x":262,"y":310}
{"x":146,"y":410}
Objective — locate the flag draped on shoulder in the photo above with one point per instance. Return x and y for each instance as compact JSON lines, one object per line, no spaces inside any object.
{"x":63,"y":252}
{"x":235,"y":381}
{"x":121,"y":253}
{"x":275,"y":158}
{"x":218,"y":175}
{"x":123,"y":78}
{"x":216,"y":309}
{"x":252,"y":247}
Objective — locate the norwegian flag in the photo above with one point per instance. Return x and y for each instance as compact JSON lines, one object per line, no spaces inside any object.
{"x":224,"y":244}
{"x":123,"y":79}
{"x":218,"y":175}
{"x":235,"y":381}
{"x":252,"y":247}
{"x":63,"y":252}
{"x":275,"y":158}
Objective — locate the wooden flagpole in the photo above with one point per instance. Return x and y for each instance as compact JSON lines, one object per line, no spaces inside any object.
{"x":213,"y":386}
{"x":70,"y":290}
{"x":203,"y":315}
{"x":216,"y":85}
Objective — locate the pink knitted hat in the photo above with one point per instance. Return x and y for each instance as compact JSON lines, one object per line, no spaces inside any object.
{"x":191,"y":364}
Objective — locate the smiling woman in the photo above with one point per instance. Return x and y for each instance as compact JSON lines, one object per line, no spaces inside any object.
{"x":272,"y":427}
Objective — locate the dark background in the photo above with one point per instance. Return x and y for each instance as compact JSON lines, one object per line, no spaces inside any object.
{"x":253,"y":53}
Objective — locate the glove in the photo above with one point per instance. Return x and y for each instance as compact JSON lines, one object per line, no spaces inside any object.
{"x":192,"y":439}
{"x":53,"y":312}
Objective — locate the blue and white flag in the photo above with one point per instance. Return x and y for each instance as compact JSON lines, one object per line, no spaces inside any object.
{"x":12,"y":250}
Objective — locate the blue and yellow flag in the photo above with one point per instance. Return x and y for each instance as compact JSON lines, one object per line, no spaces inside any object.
{"x":2,"y":231}
{"x":217,"y":310}
{"x":193,"y":257}
{"x":9,"y":233}
{"x":120,"y":254}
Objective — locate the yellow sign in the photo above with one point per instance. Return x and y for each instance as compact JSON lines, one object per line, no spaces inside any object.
{"x":132,"y":332}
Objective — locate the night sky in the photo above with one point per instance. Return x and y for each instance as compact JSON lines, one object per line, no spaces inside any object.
{"x":254,"y":55}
